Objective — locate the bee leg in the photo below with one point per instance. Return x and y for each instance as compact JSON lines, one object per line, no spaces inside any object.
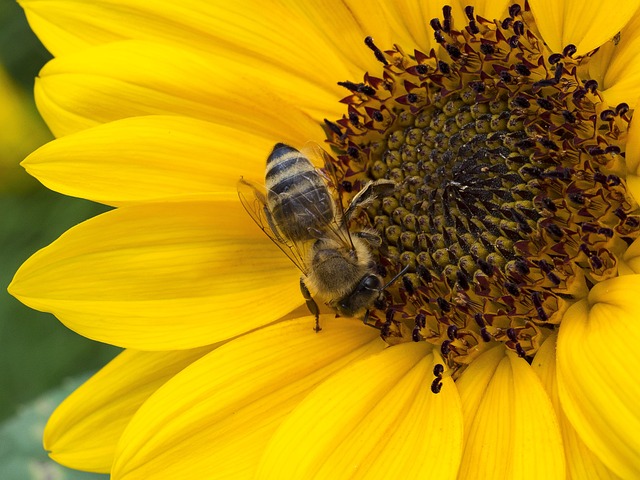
{"x":368,"y":194}
{"x":365,"y":320}
{"x":311,"y":304}
{"x":371,"y":238}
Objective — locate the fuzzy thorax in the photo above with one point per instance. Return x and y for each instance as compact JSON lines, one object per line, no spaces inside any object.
{"x":338,"y":273}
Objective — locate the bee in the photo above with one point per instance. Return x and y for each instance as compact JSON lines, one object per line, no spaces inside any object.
{"x":301,"y":212}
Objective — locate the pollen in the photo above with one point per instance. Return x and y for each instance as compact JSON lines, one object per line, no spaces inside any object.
{"x":510,"y":199}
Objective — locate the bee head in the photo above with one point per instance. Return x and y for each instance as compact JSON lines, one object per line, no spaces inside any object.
{"x":360,"y":299}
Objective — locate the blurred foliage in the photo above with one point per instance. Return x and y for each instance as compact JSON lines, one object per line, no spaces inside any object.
{"x":21,"y":56}
{"x":20,"y":51}
{"x":22,"y":131}
{"x":36,"y":352}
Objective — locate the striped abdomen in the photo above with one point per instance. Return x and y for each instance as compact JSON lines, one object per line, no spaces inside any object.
{"x":297,"y":196}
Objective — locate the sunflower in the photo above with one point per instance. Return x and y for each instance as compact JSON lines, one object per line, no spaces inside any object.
{"x":506,"y":348}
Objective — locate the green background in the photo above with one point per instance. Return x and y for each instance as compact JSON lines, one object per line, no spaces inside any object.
{"x":40,"y":360}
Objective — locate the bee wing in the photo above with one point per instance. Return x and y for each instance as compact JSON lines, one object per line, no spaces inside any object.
{"x":254,"y":200}
{"x":323,"y":160}
{"x":367,"y":194}
{"x":339,"y":225}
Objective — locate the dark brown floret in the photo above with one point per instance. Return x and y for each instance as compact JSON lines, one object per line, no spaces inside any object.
{"x":510,"y":196}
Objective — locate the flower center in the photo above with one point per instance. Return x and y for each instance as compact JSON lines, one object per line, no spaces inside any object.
{"x":510,"y":200}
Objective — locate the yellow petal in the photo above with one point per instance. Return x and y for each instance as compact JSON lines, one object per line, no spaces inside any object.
{"x":375,"y":419}
{"x":215,"y":417}
{"x":406,"y":22}
{"x":633,"y":156}
{"x":489,"y":9}
{"x":581,"y":462}
{"x":340,"y":27}
{"x":511,"y":430}
{"x":598,"y":363}
{"x":630,"y":261}
{"x":83,"y":431}
{"x":403,"y":22}
{"x":472,"y":385}
{"x":633,"y":144}
{"x":132,"y":78}
{"x":633,"y":185}
{"x":344,"y":24}
{"x":148,"y":158}
{"x":261,"y":31}
{"x":162,"y":276}
{"x":616,"y":67}
{"x":68,"y":26}
{"x":587,"y":25}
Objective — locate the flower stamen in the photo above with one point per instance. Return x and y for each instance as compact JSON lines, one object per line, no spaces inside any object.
{"x":510,"y":202}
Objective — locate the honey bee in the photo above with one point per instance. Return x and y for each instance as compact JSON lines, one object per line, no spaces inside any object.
{"x":301,"y":212}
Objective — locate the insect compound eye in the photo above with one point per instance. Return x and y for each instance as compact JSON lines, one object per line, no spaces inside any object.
{"x":372,"y":282}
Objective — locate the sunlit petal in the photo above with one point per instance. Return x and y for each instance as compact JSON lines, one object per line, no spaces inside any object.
{"x":587,"y":25}
{"x":218,"y":414}
{"x":132,"y":78}
{"x":148,"y":158}
{"x":581,"y":462}
{"x":597,"y":363}
{"x":490,"y":9}
{"x":262,"y":36}
{"x":633,"y":157}
{"x":616,"y":66}
{"x":83,"y":431}
{"x":166,"y":275}
{"x":630,"y":262}
{"x":384,"y":404}
{"x":508,"y":415}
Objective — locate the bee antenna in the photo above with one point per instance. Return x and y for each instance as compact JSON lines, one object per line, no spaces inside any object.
{"x":398,"y":275}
